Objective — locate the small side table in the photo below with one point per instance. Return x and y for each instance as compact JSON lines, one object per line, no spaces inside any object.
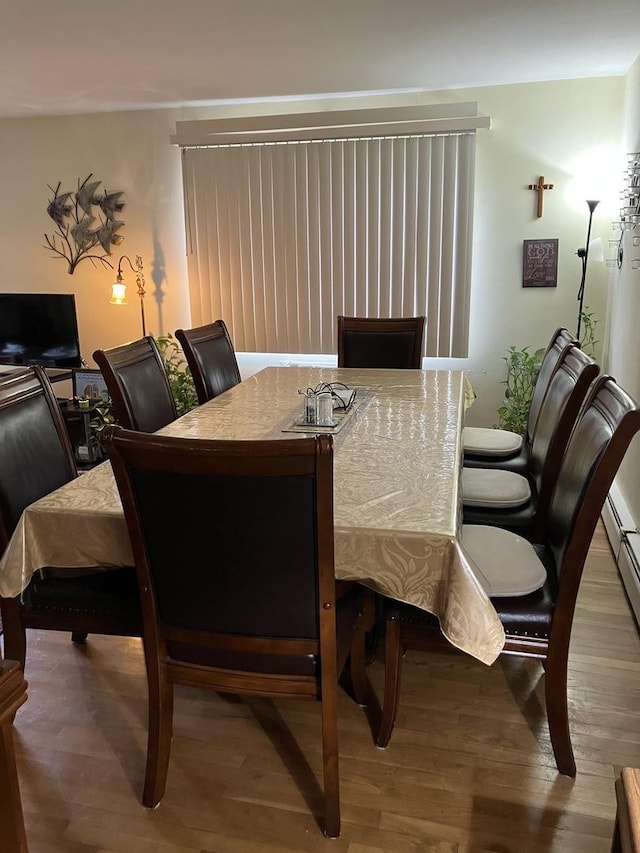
{"x":87,"y":449}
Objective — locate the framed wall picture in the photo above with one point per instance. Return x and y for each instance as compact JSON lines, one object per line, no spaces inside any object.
{"x":540,"y":263}
{"x":89,"y":384}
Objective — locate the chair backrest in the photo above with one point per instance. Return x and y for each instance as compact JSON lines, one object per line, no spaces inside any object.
{"x":566,"y":393}
{"x":35,"y":452}
{"x":211,"y":359}
{"x":599,"y":440}
{"x":560,"y":340}
{"x":380,"y":343}
{"x":233,"y":544}
{"x":137,"y":380}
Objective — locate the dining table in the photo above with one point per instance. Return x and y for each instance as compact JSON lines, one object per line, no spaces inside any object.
{"x":397,"y":492}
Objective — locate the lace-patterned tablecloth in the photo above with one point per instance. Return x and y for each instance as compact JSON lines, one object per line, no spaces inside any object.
{"x":396,"y":503}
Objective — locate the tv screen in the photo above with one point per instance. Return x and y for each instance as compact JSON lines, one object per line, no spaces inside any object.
{"x":39,"y":328}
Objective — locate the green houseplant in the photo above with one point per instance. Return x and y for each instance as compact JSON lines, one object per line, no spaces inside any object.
{"x":523,"y":367}
{"x":180,"y":378}
{"x":588,"y":340}
{"x":101,"y":417}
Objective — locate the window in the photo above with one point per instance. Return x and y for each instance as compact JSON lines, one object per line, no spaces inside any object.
{"x":292,"y":220}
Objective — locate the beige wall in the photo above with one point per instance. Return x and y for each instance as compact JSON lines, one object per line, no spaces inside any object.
{"x":548,"y":129}
{"x":538,"y":129}
{"x":624,"y":336}
{"x":127,"y":151}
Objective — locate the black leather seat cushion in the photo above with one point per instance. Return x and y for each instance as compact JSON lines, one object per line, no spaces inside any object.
{"x":517,"y":519}
{"x":517,"y":462}
{"x":109,"y":592}
{"x":526,"y":615}
{"x":530,"y":615}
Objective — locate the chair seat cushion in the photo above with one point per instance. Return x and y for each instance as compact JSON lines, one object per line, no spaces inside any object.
{"x":110,"y":591}
{"x":527,"y":615}
{"x":521,"y":616}
{"x":494,"y":488}
{"x":482,"y":441}
{"x":100,"y":602}
{"x":505,"y":564}
{"x":531,"y":615}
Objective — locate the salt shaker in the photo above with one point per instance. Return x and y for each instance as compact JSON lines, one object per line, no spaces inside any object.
{"x":325,"y":409}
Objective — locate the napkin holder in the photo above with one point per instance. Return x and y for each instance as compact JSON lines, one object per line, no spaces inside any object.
{"x":343,"y":397}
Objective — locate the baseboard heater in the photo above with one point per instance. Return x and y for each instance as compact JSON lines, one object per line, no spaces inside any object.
{"x":624,"y":537}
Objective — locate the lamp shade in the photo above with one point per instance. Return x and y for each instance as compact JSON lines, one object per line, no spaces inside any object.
{"x":118,"y":293}
{"x":596,"y":252}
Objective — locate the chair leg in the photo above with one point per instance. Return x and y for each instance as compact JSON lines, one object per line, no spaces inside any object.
{"x":329,"y":706}
{"x":79,"y":638}
{"x":363,"y":692}
{"x":357,"y":665}
{"x":371,"y":624}
{"x":392,"y":668}
{"x":15,"y":637}
{"x":555,"y":689}
{"x":159,"y":736}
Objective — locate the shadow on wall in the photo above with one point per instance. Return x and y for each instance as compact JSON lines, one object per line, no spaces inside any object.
{"x":158,"y":276}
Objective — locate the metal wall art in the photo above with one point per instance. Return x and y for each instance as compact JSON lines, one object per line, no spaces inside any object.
{"x":86,"y":223}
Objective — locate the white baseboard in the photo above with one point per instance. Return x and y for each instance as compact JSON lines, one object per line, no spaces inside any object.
{"x":630,"y":570}
{"x":623,"y":534}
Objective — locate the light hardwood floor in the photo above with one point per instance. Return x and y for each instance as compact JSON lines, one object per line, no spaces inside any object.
{"x":469,"y":766}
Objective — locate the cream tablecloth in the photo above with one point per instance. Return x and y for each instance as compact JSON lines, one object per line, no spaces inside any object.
{"x":397,"y":509}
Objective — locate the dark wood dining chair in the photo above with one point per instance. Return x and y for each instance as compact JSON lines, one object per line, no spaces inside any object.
{"x":485,"y":447}
{"x":36,"y":458}
{"x":381,"y":343}
{"x":211,"y":359}
{"x":138,"y":385}
{"x":244,"y":606}
{"x":534,"y":587}
{"x":520,"y":502}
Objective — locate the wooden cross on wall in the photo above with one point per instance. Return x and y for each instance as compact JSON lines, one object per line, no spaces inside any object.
{"x":540,"y":187}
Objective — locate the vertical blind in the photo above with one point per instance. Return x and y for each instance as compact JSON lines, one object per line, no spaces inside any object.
{"x":282,"y":237}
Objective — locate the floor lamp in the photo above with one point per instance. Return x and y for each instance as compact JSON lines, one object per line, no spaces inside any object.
{"x":583,"y":254}
{"x":119,"y":288}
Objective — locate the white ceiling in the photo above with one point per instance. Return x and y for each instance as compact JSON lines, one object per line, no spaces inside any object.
{"x":77,"y":56}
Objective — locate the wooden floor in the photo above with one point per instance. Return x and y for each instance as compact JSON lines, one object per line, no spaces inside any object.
{"x":469,"y":767}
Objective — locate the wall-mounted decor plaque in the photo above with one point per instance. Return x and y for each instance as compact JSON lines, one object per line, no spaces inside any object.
{"x":539,"y":263}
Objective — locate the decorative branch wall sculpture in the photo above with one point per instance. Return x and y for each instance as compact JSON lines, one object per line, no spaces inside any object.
{"x":85,"y":223}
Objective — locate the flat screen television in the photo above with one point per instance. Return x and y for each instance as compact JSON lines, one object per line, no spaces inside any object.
{"x":39,"y":328}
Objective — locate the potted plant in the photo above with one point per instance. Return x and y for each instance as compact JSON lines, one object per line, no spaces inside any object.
{"x":588,"y":340}
{"x":180,"y":378}
{"x":523,"y":367}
